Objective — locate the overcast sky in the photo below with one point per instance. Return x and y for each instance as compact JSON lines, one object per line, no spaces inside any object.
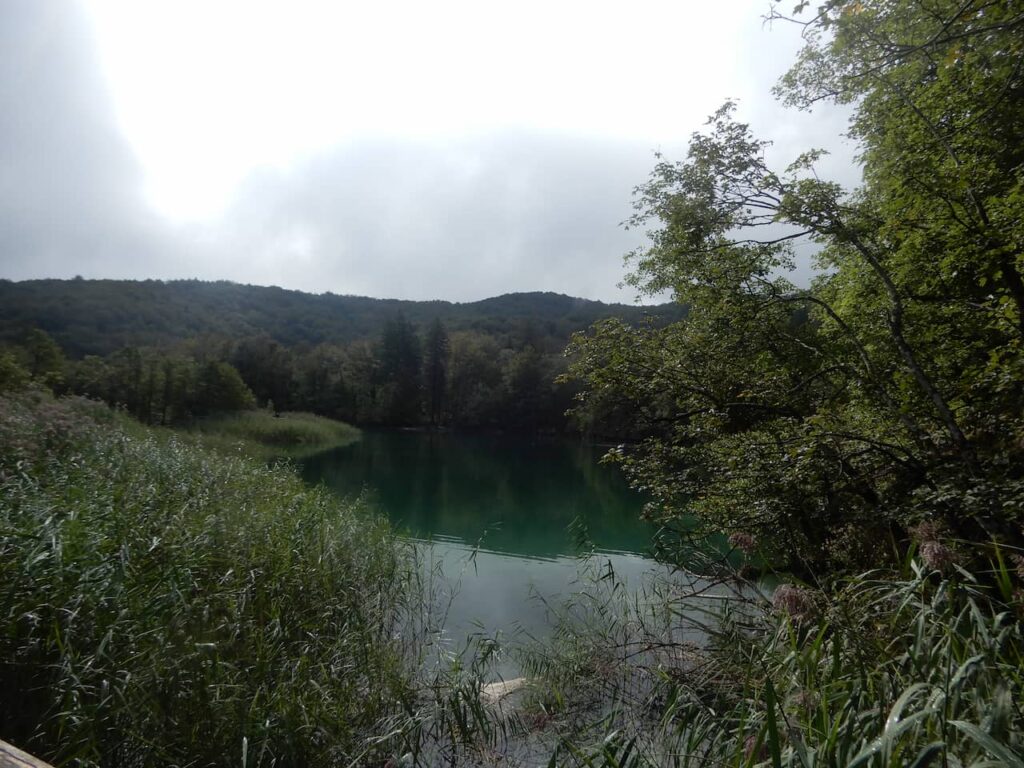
{"x":453,"y":150}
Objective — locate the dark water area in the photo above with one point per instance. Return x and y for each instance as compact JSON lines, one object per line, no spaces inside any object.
{"x":512,"y":495}
{"x":504,"y":516}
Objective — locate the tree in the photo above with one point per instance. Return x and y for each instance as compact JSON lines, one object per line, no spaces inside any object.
{"x":320,"y":382}
{"x":527,"y":388}
{"x":400,"y":365}
{"x":360,"y":370}
{"x":474,"y":380}
{"x":45,"y":359}
{"x":220,"y":389}
{"x":91,"y":377}
{"x":266,"y":367}
{"x":888,"y":392}
{"x":436,"y":370}
{"x":12,"y":376}
{"x":125,"y":388}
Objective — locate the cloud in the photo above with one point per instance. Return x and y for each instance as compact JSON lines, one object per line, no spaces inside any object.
{"x":70,"y":190}
{"x":462,"y":217}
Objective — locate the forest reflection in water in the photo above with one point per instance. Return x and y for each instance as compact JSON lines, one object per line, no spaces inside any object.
{"x":503,"y":516}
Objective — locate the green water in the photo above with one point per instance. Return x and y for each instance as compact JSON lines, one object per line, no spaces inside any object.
{"x":504,"y":516}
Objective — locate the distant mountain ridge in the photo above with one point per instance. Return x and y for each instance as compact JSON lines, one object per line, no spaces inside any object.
{"x":100,"y":316}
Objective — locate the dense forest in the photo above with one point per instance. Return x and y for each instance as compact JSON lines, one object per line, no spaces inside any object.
{"x":171,"y":352}
{"x":97,"y":317}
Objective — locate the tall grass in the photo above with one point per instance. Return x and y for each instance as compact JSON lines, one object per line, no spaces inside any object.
{"x":166,"y":605}
{"x":163,"y":605}
{"x":914,"y":670}
{"x":265,"y":434}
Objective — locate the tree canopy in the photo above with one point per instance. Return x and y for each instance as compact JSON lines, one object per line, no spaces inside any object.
{"x":887,"y":393}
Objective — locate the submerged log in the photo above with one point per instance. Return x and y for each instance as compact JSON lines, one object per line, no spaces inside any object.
{"x":493,"y":693}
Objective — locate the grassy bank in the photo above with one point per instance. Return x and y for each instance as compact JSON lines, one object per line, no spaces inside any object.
{"x":920,"y":668}
{"x":163,"y":604}
{"x":268,"y":435}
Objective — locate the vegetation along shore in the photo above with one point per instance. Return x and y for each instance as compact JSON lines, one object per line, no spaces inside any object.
{"x":835,"y":469}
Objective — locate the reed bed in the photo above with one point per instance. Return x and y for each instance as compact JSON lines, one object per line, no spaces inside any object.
{"x":166,"y":605}
{"x":288,"y":434}
{"x":920,"y":668}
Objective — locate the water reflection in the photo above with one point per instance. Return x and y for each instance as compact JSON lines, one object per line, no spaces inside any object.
{"x":507,"y":494}
{"x":494,"y":513}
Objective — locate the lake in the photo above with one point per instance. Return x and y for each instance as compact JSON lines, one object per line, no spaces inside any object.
{"x":504,"y":517}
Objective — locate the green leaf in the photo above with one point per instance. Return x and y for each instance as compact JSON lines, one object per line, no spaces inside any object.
{"x":1009,"y":758}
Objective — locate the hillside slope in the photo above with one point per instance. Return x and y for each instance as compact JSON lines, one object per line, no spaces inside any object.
{"x":101,"y":316}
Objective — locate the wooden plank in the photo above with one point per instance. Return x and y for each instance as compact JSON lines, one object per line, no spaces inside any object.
{"x":12,"y":757}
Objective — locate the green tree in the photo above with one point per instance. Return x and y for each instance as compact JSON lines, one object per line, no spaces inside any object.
{"x":436,"y":370}
{"x":360,"y":369}
{"x":126,"y":367}
{"x":91,"y":377}
{"x":320,"y":382}
{"x":267,"y":368}
{"x":887,"y":392}
{"x":474,"y":380}
{"x":177,"y":390}
{"x":527,"y":389}
{"x":220,"y":388}
{"x":399,"y":369}
{"x":45,"y":360}
{"x":12,"y":376}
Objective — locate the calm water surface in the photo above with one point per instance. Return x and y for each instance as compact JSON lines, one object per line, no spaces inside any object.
{"x":497,"y":513}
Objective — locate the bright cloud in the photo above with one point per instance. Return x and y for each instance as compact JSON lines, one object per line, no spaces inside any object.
{"x":207,"y":91}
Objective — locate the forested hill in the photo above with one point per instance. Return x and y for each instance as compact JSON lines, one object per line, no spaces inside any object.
{"x":100,"y":316}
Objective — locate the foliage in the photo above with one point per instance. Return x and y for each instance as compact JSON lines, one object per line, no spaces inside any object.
{"x":220,"y":388}
{"x":285,"y":434}
{"x":400,"y":361}
{"x":159,"y":387}
{"x":888,"y":392}
{"x":99,"y":317}
{"x":436,"y":370}
{"x":166,"y":605}
{"x":44,"y":360}
{"x":13,"y":376}
{"x":474,"y":375}
{"x":474,"y":384}
{"x":887,"y":671}
{"x":266,"y":368}
{"x":869,"y":420}
{"x":143,"y":345}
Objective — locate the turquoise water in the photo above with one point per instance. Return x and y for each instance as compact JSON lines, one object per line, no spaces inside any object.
{"x":503,"y":516}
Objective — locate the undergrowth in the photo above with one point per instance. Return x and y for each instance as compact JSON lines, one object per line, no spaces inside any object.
{"x":166,"y":605}
{"x":923,"y":668}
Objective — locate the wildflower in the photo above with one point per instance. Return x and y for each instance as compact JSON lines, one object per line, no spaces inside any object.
{"x":744,"y":542}
{"x":795,"y":602}
{"x":750,"y":748}
{"x":937,"y":555}
{"x":927,"y":531}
